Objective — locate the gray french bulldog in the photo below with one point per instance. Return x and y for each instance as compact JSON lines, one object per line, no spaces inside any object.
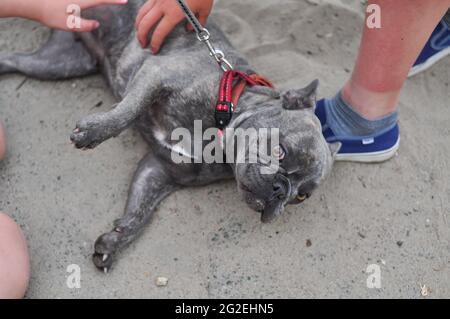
{"x":159,"y":93}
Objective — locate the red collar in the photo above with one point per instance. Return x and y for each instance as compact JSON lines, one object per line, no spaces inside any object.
{"x":232,"y":86}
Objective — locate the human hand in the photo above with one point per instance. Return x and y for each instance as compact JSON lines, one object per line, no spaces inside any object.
{"x":54,"y":13}
{"x":168,"y":14}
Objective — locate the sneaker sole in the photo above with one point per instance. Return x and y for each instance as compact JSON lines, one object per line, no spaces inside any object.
{"x":374,"y":157}
{"x":429,"y":63}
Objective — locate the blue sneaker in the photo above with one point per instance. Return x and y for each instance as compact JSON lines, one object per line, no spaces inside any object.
{"x":437,"y":47}
{"x":368,"y":149}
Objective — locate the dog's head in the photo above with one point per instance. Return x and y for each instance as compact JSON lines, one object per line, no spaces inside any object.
{"x":302,"y":156}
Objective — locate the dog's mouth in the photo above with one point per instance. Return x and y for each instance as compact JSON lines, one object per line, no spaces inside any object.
{"x":269,"y":210}
{"x":251,"y":199}
{"x":245,"y":188}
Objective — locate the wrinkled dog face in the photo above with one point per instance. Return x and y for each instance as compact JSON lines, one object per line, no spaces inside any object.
{"x":305,"y":158}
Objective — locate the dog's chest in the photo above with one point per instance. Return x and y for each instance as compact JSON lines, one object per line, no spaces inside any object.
{"x":180,"y":108}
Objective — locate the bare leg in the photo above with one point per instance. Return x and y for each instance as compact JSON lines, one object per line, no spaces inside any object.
{"x":386,"y":55}
{"x":2,"y":141}
{"x":151,"y":184}
{"x":14,"y":260}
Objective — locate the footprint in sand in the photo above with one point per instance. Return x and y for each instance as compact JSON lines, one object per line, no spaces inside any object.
{"x":329,"y":29}
{"x":294,"y":41}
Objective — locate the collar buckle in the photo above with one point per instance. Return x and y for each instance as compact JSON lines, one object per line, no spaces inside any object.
{"x":223,"y":114}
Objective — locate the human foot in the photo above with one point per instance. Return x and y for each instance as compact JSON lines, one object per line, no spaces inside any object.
{"x":362,"y":140}
{"x":437,"y":47}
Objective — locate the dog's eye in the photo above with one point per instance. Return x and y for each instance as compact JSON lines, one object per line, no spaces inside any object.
{"x":302,"y":197}
{"x":278,"y":152}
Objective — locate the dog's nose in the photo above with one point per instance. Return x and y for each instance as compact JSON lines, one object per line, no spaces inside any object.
{"x":279,"y":190}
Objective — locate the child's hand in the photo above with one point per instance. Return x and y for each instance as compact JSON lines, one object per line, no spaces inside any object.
{"x":168,"y":14}
{"x":54,"y":13}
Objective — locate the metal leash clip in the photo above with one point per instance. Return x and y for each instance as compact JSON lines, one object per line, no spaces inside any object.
{"x":204,"y":36}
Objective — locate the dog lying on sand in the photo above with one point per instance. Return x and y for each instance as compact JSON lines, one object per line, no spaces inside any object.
{"x":160,"y":93}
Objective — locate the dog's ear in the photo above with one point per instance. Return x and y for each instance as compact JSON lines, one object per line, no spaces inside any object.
{"x":301,"y":99}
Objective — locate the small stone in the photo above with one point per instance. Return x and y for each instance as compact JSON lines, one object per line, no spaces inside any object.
{"x":308,"y":243}
{"x":399,"y":243}
{"x":162,"y":281}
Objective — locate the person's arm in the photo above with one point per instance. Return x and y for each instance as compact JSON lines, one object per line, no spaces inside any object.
{"x":52,"y":13}
{"x":168,"y":14}
{"x":16,"y":8}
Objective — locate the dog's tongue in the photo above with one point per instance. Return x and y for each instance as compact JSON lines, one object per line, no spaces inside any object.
{"x":272,"y":211}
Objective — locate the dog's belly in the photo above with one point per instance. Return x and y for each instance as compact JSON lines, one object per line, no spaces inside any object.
{"x":166,"y":143}
{"x":114,"y":43}
{"x":188,"y":79}
{"x":121,"y":57}
{"x":181,"y":112}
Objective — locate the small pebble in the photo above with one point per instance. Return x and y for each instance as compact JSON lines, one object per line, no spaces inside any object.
{"x":162,"y":281}
{"x":308,"y":243}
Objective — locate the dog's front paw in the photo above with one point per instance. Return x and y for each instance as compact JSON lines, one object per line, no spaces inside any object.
{"x":105,"y":248}
{"x":91,"y":131}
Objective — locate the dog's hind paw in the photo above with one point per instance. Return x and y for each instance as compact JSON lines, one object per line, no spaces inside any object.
{"x":105,"y":248}
{"x":102,"y":261}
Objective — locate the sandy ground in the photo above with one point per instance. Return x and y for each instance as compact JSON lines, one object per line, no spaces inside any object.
{"x":208,"y":243}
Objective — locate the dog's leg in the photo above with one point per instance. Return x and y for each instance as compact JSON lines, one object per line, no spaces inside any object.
{"x":61,"y":57}
{"x":151,"y":184}
{"x":97,"y":128}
